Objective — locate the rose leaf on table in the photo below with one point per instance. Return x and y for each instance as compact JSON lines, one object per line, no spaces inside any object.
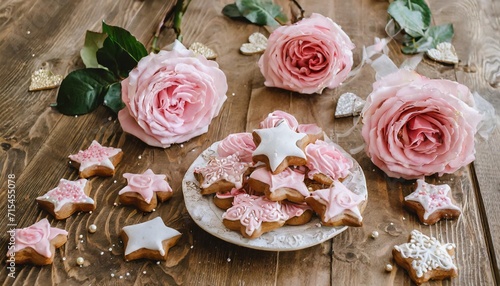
{"x":414,"y":18}
{"x":260,"y":12}
{"x":118,"y":52}
{"x":433,"y":36}
{"x":84,"y":90}
{"x":93,"y":42}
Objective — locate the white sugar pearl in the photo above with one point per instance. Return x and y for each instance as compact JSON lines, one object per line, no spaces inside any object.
{"x":92,"y":228}
{"x":388,"y":268}
{"x":374,"y":234}
{"x":80,"y":261}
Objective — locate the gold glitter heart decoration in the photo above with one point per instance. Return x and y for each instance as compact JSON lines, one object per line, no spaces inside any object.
{"x":444,"y":53}
{"x":349,"y":104}
{"x":257,"y":44}
{"x":201,"y":49}
{"x":44,"y":79}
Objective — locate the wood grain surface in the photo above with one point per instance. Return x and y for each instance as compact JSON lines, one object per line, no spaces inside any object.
{"x":36,"y":140}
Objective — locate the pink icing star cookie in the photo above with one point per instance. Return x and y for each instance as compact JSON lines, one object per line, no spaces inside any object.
{"x":253,"y":215}
{"x":425,"y":258}
{"x":298,"y":214}
{"x":225,"y":200}
{"x":288,"y":184}
{"x":150,"y":240}
{"x":96,"y":160}
{"x":431,"y":203}
{"x":280,"y":147}
{"x":221,"y":174}
{"x":337,"y":205}
{"x":326,"y":163}
{"x":67,"y":198}
{"x":145,"y":190}
{"x":36,"y":244}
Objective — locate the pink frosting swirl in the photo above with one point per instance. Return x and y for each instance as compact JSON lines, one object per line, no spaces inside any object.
{"x":241,"y":144}
{"x":277,"y":116}
{"x":30,"y":235}
{"x":324,"y":158}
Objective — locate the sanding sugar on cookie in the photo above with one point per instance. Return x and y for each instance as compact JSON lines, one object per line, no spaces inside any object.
{"x":432,"y":203}
{"x":96,"y":160}
{"x":67,"y":198}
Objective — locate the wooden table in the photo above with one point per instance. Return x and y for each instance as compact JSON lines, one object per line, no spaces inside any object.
{"x":36,"y":140}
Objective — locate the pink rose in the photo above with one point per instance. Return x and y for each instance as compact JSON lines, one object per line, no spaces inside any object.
{"x":171,"y":97}
{"x":307,"y":56}
{"x":415,"y":126}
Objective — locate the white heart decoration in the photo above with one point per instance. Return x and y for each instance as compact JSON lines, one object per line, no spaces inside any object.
{"x":349,"y":104}
{"x":257,"y":44}
{"x":444,"y":53}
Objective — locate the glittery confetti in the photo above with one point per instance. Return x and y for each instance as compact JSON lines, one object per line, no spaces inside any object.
{"x":201,"y":49}
{"x":257,"y":44}
{"x":44,"y":79}
{"x":349,"y":104}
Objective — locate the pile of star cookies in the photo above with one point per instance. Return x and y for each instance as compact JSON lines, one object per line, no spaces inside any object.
{"x":283,"y":173}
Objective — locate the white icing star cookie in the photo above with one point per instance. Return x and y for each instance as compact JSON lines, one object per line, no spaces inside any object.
{"x":279,"y":147}
{"x":432,"y":203}
{"x":151,"y":240}
{"x":96,"y":160}
{"x":67,"y":198}
{"x":425,"y":258}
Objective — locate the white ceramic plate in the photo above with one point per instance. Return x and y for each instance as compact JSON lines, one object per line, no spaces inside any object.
{"x":286,"y":238}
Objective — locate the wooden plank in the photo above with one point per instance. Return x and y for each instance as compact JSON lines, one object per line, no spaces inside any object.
{"x":478,"y":48}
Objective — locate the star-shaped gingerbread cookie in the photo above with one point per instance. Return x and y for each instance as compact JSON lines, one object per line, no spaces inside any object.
{"x":279,"y":147}
{"x":425,"y":258}
{"x":151,"y":240}
{"x":288,"y":184}
{"x":432,"y":203}
{"x":221,"y":174}
{"x":67,"y":198}
{"x":337,"y":205}
{"x":36,"y":244}
{"x":145,"y":190}
{"x":96,"y":160}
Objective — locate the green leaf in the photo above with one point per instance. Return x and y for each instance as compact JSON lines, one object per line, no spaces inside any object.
{"x":231,"y":11}
{"x":423,"y":8}
{"x":261,"y":12}
{"x":126,"y":41}
{"x":113,"y":97}
{"x":93,"y":42}
{"x":83,"y":90}
{"x":410,"y":20}
{"x":116,"y":59}
{"x":433,"y":36}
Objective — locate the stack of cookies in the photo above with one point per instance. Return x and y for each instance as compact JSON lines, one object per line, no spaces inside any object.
{"x":282,"y":173}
